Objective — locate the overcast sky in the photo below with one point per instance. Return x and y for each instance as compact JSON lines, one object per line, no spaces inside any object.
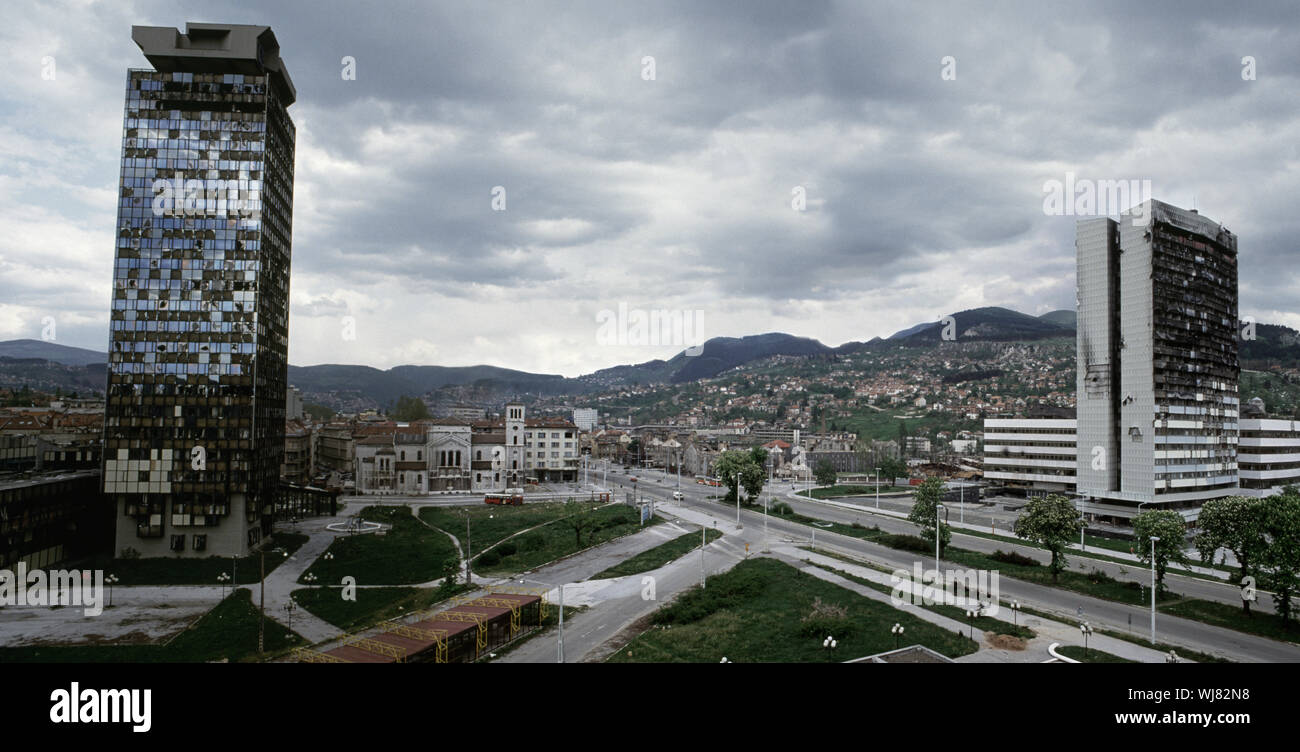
{"x":923,"y":177}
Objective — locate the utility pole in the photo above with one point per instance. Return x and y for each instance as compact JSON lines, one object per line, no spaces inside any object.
{"x":1154,"y":540}
{"x":703,"y":543}
{"x":561,"y":622}
{"x":469,"y":548}
{"x":738,"y":499}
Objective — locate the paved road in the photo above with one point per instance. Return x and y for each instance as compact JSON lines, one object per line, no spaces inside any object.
{"x":619,"y":603}
{"x":1100,"y":613}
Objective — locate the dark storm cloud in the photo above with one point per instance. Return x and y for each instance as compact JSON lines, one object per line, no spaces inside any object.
{"x":678,"y":190}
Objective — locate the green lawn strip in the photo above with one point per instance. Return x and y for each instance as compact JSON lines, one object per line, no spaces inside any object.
{"x":1232,"y":617}
{"x":1074,"y":553}
{"x":372,"y":605}
{"x":556,"y":540}
{"x":1185,"y":652}
{"x":490,"y":523}
{"x":762,"y":610}
{"x":1091,"y":655}
{"x":1095,"y":583}
{"x":983,"y":623}
{"x":406,"y":554}
{"x":176,"y":570}
{"x":658,"y":556}
{"x":228,"y":631}
{"x":548,"y":624}
{"x":1126,"y":637}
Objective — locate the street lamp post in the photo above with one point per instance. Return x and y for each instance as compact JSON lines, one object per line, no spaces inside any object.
{"x":111,"y":580}
{"x":972,"y":614}
{"x":1015,"y":612}
{"x":737,"y":498}
{"x":877,"y":488}
{"x":703,"y":543}
{"x":897,"y":629}
{"x":289,"y":608}
{"x":937,"y":536}
{"x":261,"y":608}
{"x":1086,"y":629}
{"x":1154,"y":540}
{"x":223,"y":578}
{"x":469,"y":552}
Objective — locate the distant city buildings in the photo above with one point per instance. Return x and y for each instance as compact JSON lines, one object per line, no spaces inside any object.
{"x":442,"y":455}
{"x":293,"y":404}
{"x":585,"y":418}
{"x":198,"y":347}
{"x":1037,"y":454}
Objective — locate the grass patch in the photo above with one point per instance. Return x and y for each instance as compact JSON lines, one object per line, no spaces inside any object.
{"x":228,"y":632}
{"x":1232,"y":617}
{"x":490,"y":524}
{"x":1095,"y":583}
{"x":763,"y":610}
{"x":1090,"y":554}
{"x":983,"y":623}
{"x":1163,"y":647}
{"x":406,"y":554}
{"x":372,"y":605}
{"x":659,"y":555}
{"x":176,"y":570}
{"x":556,"y":540}
{"x":1091,"y":655}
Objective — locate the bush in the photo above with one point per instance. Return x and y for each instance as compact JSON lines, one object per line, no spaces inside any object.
{"x":782,"y":509}
{"x":531,"y":542}
{"x":826,"y":619}
{"x":726,"y":592}
{"x":489,"y":559}
{"x":506,"y":549}
{"x":1011,"y":557}
{"x":907,"y":543}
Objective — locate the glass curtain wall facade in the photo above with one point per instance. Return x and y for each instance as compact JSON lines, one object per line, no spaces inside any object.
{"x":198,"y":350}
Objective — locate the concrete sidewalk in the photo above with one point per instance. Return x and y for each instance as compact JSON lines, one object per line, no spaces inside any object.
{"x":1048,"y":631}
{"x":958,"y":526}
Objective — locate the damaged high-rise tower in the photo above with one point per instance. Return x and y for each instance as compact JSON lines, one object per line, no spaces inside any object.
{"x":198,"y":348}
{"x":1157,"y":361}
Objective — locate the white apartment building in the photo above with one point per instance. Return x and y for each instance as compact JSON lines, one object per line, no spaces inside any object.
{"x":514,"y":450}
{"x":585,"y":418}
{"x":1031,"y":453}
{"x":1040,"y":454}
{"x":1268,"y":457}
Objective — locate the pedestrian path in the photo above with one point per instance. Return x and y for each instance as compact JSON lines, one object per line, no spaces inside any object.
{"x":1084,"y":550}
{"x":1048,"y":631}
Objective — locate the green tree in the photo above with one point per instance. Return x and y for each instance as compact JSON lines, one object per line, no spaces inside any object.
{"x":1281,"y":555}
{"x":891,"y":468}
{"x":578,"y":518}
{"x":1237,"y":524}
{"x":925,"y":512}
{"x":410,"y":408}
{"x":825,"y":473}
{"x":1168,"y":526}
{"x":1051,"y":522}
{"x":752,"y":475}
{"x":317,"y":412}
{"x":902,"y":438}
